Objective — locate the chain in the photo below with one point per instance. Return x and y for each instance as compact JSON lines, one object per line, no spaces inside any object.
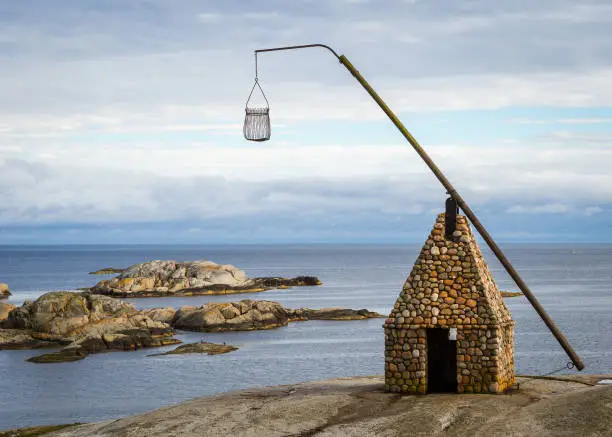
{"x":255,"y":66}
{"x":568,"y":366}
{"x":256,"y":85}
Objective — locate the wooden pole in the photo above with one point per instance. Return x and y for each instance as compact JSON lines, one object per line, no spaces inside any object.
{"x":462,"y":204}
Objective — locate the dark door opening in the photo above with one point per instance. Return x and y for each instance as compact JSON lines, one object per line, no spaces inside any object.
{"x":441,"y":362}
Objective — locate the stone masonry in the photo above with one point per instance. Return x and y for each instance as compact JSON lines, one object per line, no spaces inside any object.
{"x":450,"y":286}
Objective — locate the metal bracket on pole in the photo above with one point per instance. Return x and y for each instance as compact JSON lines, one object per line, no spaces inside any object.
{"x":455,"y":195}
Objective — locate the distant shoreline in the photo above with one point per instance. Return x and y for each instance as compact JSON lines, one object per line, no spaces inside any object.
{"x":305,"y":244}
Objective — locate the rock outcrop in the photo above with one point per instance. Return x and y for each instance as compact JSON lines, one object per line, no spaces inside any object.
{"x":4,"y":291}
{"x":200,"y":348}
{"x":276,"y":282}
{"x":64,"y":356}
{"x":85,"y":323}
{"x":107,"y":271}
{"x":61,"y":313}
{"x":5,"y":309}
{"x":245,"y":315}
{"x":171,"y":278}
{"x":331,"y":314}
{"x":13,"y":339}
{"x":248,"y":315}
{"x":164,"y":315}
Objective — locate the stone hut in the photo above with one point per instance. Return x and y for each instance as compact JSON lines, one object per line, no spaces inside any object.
{"x":449,"y":330}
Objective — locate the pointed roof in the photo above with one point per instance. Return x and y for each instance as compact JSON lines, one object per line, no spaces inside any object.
{"x":450,"y":285}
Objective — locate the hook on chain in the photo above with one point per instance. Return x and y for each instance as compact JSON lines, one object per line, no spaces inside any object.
{"x":257,"y":85}
{"x":256,"y":67}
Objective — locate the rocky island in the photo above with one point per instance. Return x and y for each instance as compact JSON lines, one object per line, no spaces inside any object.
{"x":107,"y":271}
{"x":85,"y":323}
{"x":202,"y":347}
{"x":248,"y":315}
{"x":4,"y":291}
{"x":190,"y":278}
{"x":5,"y":308}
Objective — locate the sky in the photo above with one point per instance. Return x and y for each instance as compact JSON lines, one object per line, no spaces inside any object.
{"x":121,"y":120}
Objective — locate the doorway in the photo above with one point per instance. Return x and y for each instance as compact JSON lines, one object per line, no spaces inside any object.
{"x":441,"y":362}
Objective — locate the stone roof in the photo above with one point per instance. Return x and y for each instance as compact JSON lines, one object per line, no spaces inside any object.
{"x":450,"y":285}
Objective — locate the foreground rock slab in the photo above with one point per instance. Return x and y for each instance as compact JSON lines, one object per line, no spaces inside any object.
{"x":360,"y":407}
{"x":83,"y":323}
{"x":190,"y":278}
{"x":200,"y":348}
{"x":248,"y":315}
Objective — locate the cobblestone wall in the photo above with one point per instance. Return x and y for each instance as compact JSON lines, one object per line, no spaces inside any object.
{"x":450,"y":286}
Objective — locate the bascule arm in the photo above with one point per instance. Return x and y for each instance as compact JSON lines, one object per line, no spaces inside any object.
{"x":462,"y":204}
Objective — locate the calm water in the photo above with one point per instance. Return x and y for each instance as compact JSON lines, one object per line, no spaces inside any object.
{"x":572,"y":282}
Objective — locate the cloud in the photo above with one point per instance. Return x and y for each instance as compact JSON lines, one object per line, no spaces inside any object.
{"x":272,"y":15}
{"x":568,"y":137}
{"x":592,"y":210}
{"x":577,"y":121}
{"x":203,"y":182}
{"x":209,"y":17}
{"x":115,"y":112}
{"x":552,"y":208}
{"x":130,"y":61}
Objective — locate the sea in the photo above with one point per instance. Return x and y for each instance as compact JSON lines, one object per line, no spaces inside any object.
{"x":573,"y":283}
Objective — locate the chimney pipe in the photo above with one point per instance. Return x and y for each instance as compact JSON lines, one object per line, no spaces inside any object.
{"x":452,"y":209}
